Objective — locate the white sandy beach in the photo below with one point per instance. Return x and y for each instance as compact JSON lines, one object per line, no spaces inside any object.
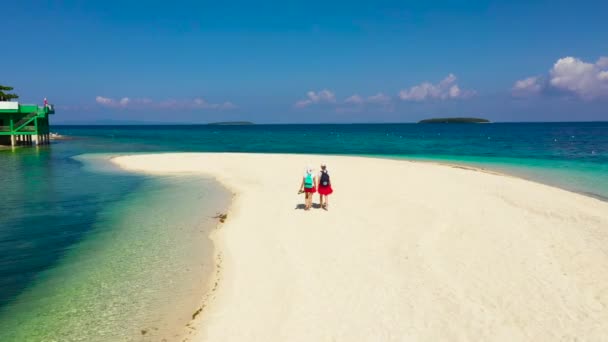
{"x":407,"y":252}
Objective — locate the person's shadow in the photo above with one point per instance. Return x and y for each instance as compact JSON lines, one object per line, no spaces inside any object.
{"x":301,"y":206}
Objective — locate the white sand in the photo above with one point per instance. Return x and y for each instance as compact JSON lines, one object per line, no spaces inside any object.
{"x":407,"y":252}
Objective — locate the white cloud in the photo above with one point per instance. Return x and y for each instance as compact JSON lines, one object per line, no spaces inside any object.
{"x":357,"y":103}
{"x":527,"y":87}
{"x":104,"y":100}
{"x":200,"y":102}
{"x":602,"y":62}
{"x":323,"y":96}
{"x":445,"y":89}
{"x":228,"y":105}
{"x":353,"y":103}
{"x":587,"y":80}
{"x":146,"y":103}
{"x":355,"y":100}
{"x":379,"y":99}
{"x":109,"y":102}
{"x":569,"y":75}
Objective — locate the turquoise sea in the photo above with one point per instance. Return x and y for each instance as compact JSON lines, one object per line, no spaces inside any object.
{"x":91,"y":253}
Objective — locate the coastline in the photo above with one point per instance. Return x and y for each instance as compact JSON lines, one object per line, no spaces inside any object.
{"x":274,"y":262}
{"x":126,"y":280}
{"x":482,"y":166}
{"x":464,"y":166}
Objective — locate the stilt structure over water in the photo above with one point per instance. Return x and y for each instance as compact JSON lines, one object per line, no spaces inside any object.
{"x":24,"y":124}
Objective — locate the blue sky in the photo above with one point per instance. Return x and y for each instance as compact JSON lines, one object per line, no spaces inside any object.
{"x":310,"y":61}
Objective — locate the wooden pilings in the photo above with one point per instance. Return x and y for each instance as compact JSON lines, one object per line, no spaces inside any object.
{"x":30,"y":139}
{"x":42,"y":139}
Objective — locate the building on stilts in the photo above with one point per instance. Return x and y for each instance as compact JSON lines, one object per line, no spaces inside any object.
{"x":24,"y":124}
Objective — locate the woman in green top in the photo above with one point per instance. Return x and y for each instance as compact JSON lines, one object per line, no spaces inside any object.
{"x":308,"y":187}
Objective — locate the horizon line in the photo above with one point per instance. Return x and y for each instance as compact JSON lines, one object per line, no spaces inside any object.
{"x":298,"y":123}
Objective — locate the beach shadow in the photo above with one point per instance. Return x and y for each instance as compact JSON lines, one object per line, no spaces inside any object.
{"x":301,"y":206}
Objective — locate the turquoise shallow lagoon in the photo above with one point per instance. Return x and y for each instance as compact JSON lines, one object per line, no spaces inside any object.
{"x":90,"y":253}
{"x":139,"y":273}
{"x":582,"y":177}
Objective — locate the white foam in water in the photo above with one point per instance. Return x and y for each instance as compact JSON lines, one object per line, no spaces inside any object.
{"x":140,"y":273}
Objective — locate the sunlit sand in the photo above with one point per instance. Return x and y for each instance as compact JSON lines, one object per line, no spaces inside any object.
{"x":407,"y":252}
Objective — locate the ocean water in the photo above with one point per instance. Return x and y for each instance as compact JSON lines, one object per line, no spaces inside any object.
{"x":573,"y":156}
{"x":90,"y":253}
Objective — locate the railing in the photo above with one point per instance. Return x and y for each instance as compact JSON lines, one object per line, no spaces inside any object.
{"x":24,"y":121}
{"x":22,"y":130}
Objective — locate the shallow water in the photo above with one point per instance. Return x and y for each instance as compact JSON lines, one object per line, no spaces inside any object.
{"x":142,"y":268}
{"x":121,"y":258}
{"x":89,"y":253}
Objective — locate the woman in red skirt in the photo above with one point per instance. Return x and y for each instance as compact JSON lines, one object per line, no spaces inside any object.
{"x":308,"y":187}
{"x":324,"y":187}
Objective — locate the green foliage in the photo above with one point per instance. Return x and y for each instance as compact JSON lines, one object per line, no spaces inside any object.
{"x":229,"y":123}
{"x":5,"y":95}
{"x":454,"y":120}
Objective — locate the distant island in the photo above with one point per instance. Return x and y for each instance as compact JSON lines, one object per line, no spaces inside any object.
{"x":230,"y":123}
{"x":455,"y":120}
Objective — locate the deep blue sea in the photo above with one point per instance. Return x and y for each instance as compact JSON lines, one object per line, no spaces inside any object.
{"x":87,"y":251}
